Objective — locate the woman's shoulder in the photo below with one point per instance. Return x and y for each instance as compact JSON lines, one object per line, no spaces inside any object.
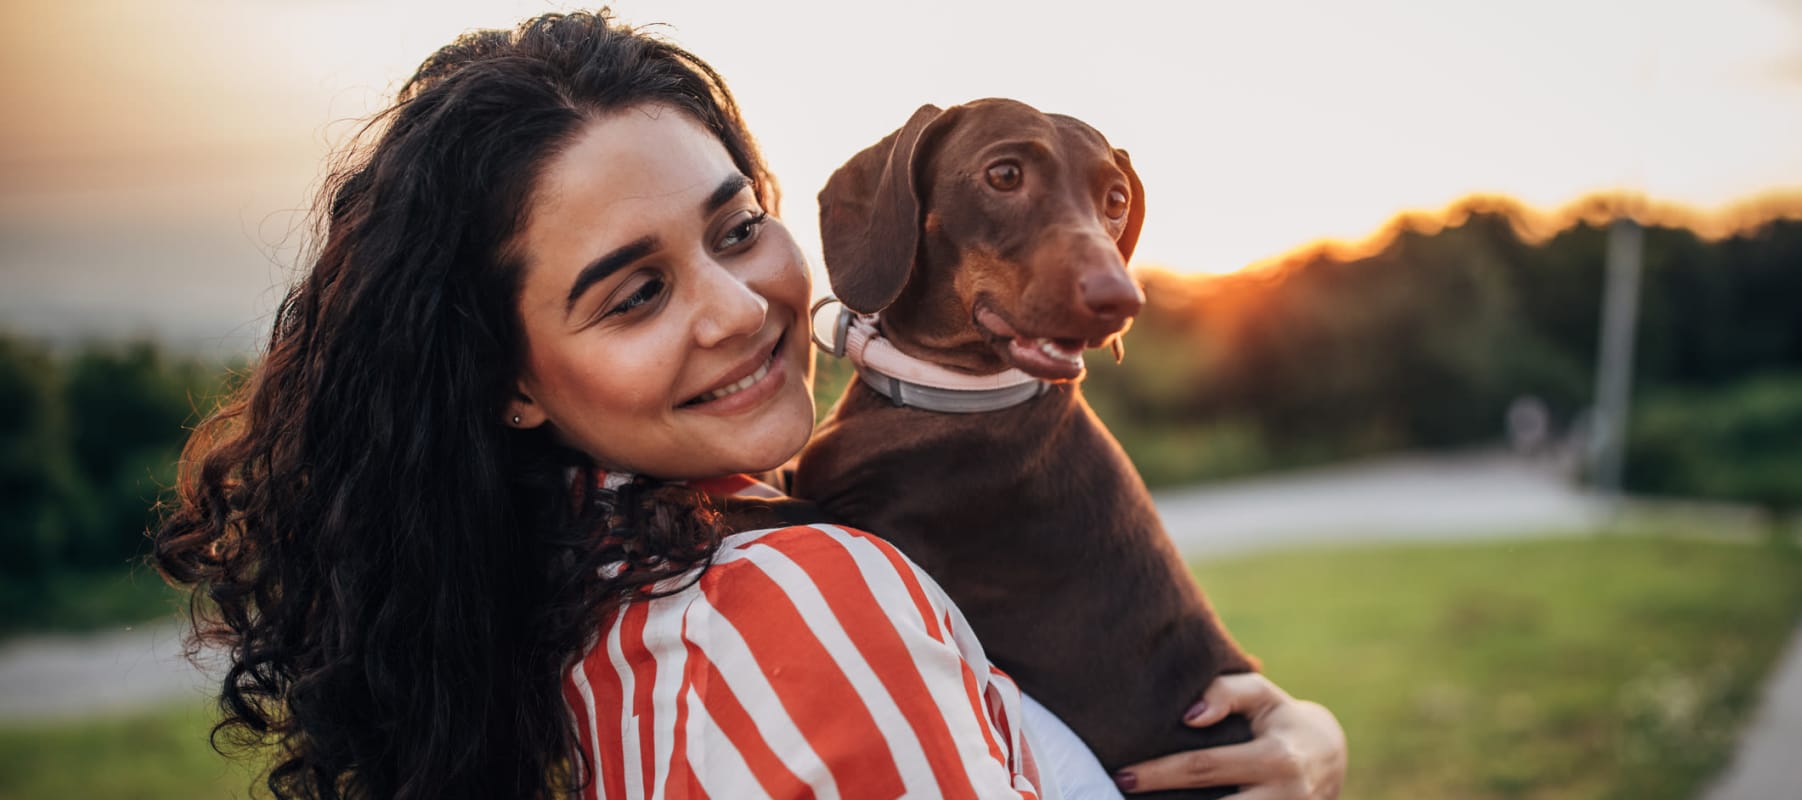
{"x":806,"y":542}
{"x":785,"y":598}
{"x":832,"y":561}
{"x":789,"y":585}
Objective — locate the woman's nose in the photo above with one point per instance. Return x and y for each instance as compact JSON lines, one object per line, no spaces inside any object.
{"x":729,"y":307}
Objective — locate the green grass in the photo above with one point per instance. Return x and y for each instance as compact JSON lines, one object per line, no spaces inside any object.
{"x":830,"y":377}
{"x":82,"y":601}
{"x":141,"y":757}
{"x":1611,"y":667}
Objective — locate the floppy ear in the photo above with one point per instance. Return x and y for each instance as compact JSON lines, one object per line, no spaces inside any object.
{"x":870,"y":215}
{"x":1135,"y":217}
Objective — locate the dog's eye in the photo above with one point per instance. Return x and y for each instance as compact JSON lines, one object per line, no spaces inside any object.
{"x":1005,"y":176}
{"x":1116,"y":204}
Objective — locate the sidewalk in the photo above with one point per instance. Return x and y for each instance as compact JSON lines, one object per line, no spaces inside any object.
{"x":70,"y":675}
{"x":1459,"y":497}
{"x":1768,"y":763}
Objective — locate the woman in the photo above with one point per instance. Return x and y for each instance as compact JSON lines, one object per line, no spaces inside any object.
{"x":425,"y":520}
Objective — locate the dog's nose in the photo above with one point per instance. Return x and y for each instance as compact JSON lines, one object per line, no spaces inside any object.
{"x":1110,"y":293}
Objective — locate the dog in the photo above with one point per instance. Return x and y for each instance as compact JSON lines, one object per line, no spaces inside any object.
{"x":979,"y":250}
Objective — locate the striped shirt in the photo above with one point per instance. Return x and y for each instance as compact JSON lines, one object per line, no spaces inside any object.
{"x":810,"y":661}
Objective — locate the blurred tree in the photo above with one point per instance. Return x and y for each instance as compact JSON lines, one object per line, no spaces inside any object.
{"x":87,"y":444}
{"x":34,"y":468}
{"x":126,"y":409}
{"x":1734,"y":443}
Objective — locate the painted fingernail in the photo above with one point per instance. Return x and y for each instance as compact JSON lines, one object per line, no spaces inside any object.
{"x":1126,"y":780}
{"x":1200,"y":707}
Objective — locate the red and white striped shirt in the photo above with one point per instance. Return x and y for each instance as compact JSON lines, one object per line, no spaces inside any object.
{"x":811,"y":661}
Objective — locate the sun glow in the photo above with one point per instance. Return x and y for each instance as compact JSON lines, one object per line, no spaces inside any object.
{"x":1534,"y":226}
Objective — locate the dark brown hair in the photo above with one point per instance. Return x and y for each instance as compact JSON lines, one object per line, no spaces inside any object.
{"x":401,"y":580}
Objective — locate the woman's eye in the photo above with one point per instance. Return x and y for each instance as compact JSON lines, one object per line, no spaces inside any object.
{"x":744,"y":231}
{"x":645,"y":293}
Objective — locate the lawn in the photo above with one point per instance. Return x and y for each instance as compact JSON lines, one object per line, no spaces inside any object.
{"x":1611,"y":667}
{"x":160,"y":756}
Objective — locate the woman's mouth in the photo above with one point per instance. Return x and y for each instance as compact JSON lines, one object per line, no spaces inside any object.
{"x":739,"y":386}
{"x":744,"y":390}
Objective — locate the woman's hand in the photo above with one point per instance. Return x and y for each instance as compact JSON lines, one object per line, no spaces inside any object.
{"x":1297,"y":751}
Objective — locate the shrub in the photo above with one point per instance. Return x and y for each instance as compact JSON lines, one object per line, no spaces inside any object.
{"x":1742,"y":442}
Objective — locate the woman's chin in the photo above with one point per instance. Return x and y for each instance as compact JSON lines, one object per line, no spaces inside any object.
{"x":758,"y":442}
{"x":784,"y":435}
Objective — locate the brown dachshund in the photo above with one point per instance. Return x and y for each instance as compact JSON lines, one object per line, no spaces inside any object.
{"x":994,"y":238}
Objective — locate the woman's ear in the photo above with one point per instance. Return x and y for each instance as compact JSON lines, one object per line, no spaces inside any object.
{"x":523,"y":411}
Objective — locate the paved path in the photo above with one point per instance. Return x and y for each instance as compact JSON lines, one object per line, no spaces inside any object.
{"x":1458,"y":497}
{"x":78,"y":674}
{"x":1768,"y":764}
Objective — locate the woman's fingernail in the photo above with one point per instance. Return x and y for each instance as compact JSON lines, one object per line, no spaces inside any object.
{"x":1126,"y":780}
{"x":1200,"y":707}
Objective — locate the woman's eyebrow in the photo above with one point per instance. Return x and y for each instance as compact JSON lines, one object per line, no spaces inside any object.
{"x":606,"y":265}
{"x":728,"y":189}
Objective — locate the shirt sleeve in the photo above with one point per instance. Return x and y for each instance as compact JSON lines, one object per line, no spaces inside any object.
{"x":818,"y":662}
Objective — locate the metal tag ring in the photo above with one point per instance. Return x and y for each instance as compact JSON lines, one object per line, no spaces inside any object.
{"x":841,"y":327}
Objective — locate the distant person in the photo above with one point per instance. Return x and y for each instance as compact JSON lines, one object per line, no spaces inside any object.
{"x":1529,"y":426}
{"x":462,"y":530}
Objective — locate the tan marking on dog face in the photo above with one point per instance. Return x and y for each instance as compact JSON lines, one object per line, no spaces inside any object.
{"x":984,"y":272}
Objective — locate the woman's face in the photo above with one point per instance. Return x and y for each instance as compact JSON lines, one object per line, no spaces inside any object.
{"x":664,"y":313}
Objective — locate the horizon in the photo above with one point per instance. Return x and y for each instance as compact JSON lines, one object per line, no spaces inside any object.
{"x":159,"y":187}
{"x":1534,"y":225}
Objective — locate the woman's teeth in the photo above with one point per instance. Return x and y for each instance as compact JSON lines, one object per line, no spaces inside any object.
{"x":735,"y":388}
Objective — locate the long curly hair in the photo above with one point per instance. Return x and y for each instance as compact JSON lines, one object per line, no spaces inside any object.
{"x":401,"y":579}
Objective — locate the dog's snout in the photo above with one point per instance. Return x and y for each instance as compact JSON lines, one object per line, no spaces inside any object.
{"x":1110,"y":293}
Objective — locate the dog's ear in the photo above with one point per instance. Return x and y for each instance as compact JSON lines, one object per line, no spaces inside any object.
{"x":1135,"y":217}
{"x":870,"y":214}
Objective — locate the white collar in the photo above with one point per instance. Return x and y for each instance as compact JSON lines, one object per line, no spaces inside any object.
{"x":911,"y":382}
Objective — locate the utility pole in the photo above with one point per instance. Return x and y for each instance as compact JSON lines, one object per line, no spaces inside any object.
{"x":1614,"y":364}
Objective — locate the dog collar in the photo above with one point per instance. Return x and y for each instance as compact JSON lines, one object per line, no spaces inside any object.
{"x":913,"y":383}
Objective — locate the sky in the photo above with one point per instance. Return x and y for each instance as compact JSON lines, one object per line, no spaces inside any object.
{"x":156,"y":159}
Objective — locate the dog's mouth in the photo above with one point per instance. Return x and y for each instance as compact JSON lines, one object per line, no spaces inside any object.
{"x":1048,"y":358}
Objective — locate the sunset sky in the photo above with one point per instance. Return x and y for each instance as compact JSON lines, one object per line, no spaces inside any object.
{"x":155,"y":155}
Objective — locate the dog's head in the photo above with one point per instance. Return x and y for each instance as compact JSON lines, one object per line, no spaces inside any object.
{"x":988,"y":235}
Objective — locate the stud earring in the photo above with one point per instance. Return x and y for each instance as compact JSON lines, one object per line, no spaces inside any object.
{"x":516,"y":420}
